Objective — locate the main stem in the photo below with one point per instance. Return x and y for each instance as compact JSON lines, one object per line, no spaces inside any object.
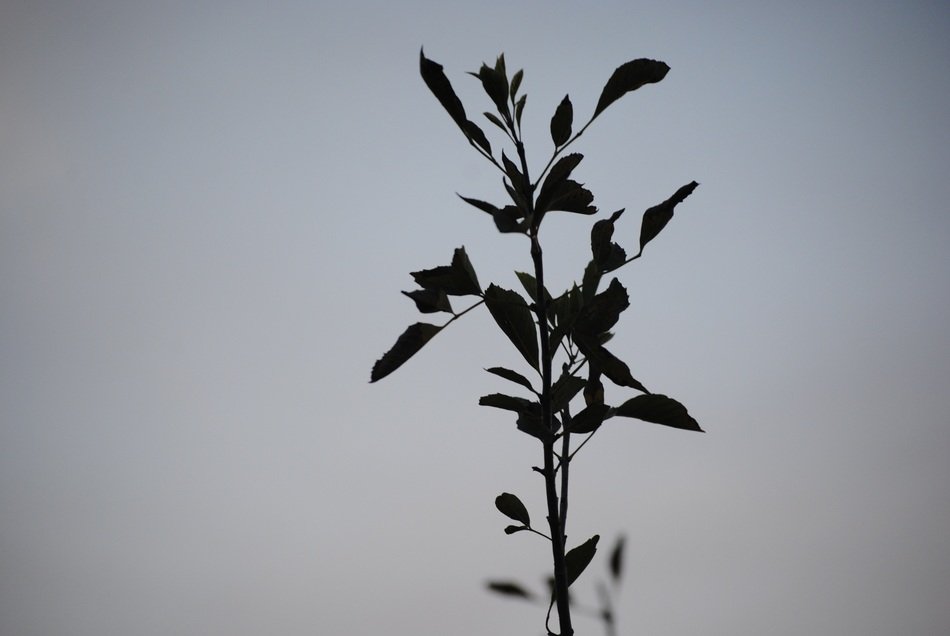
{"x":555,"y":521}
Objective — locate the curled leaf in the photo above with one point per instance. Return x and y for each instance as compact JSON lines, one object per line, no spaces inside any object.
{"x":659,"y":409}
{"x":629,"y":77}
{"x":656,"y":218}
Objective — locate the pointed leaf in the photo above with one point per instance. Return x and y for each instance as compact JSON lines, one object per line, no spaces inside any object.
{"x":440,"y":86}
{"x":519,"y":108}
{"x":559,"y":173}
{"x":495,"y":121}
{"x":571,"y":196}
{"x":577,"y":559}
{"x":564,"y":390}
{"x":610,"y":365}
{"x":603,"y":311}
{"x":514,"y":175}
{"x":481,"y":205}
{"x":607,"y":255}
{"x":629,"y":77}
{"x":430,"y":301}
{"x":589,"y":419}
{"x":510,"y":403}
{"x":476,"y":134}
{"x":512,"y":314}
{"x":512,"y":376}
{"x":509,"y":588}
{"x":510,"y":506}
{"x":656,"y":218}
{"x":496,"y":86}
{"x":515,"y":84}
{"x":616,"y":560}
{"x":561,"y":122}
{"x":407,"y":345}
{"x":659,"y":409}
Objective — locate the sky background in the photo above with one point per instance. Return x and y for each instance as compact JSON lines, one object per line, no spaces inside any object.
{"x":207,"y":212}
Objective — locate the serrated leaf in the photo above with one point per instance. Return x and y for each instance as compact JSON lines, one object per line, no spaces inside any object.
{"x":457,"y":279}
{"x":577,"y":559}
{"x":629,"y":77}
{"x":515,"y":84}
{"x":659,"y":409}
{"x":616,"y":560}
{"x":511,"y":376}
{"x":430,"y":301}
{"x":564,"y":389}
{"x":438,"y":83}
{"x":510,"y":506}
{"x":570,"y":196}
{"x":407,"y":345}
{"x":610,"y":365}
{"x":559,"y":173}
{"x":656,"y":218}
{"x":513,"y":316}
{"x":589,"y":419}
{"x":561,"y":122}
{"x":509,"y":588}
{"x":603,"y":310}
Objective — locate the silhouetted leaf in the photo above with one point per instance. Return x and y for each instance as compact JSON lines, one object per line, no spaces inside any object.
{"x":561,"y":122}
{"x":656,"y":218}
{"x":533,"y":425}
{"x":508,"y":220}
{"x":496,"y":86}
{"x":510,"y":506}
{"x":407,"y":345}
{"x":515,"y":84}
{"x":603,"y":310}
{"x":495,"y":121}
{"x":514,"y":529}
{"x":616,"y":560}
{"x":629,"y":77}
{"x":481,"y":205}
{"x":519,"y":108}
{"x":607,"y":255}
{"x":570,"y":196}
{"x":564,"y":390}
{"x":509,"y":588}
{"x":512,"y":314}
{"x":512,"y":376}
{"x":514,"y":176}
{"x":429,"y":301}
{"x":594,"y":389}
{"x":510,"y":403}
{"x":477,"y":135}
{"x":577,"y":559}
{"x":457,"y":279}
{"x":610,"y":365}
{"x":588,"y":419}
{"x":440,"y":86}
{"x":559,"y":173}
{"x":659,"y":409}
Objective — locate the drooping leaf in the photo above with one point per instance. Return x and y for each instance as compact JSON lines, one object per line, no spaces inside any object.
{"x":407,"y":345}
{"x":430,"y":301}
{"x":589,"y":419}
{"x":515,"y":84}
{"x":659,"y":409}
{"x":509,"y":588}
{"x":603,"y":310}
{"x":512,"y":376}
{"x":510,"y":506}
{"x":629,"y":77}
{"x":656,"y":218}
{"x":610,"y":365}
{"x":616,"y":560}
{"x":564,"y":390}
{"x":457,"y":279}
{"x":513,"y":315}
{"x":510,"y":403}
{"x":438,"y":83}
{"x":561,"y":122}
{"x":577,"y":559}
{"x":559,"y":173}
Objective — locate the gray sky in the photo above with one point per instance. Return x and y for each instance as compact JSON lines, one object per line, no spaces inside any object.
{"x":207,"y":211}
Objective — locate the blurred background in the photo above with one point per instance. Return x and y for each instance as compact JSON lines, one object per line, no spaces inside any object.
{"x":207,"y":212}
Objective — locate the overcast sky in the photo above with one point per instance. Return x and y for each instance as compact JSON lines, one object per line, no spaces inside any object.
{"x":207,"y":212}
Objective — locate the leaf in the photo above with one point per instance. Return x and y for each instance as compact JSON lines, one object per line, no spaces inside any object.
{"x":510,"y":506}
{"x":629,"y":77}
{"x":559,"y":173}
{"x":603,"y":310}
{"x":514,"y":175}
{"x":512,"y":376}
{"x":515,"y":84}
{"x":564,"y":390}
{"x":519,"y":108}
{"x":656,"y":218}
{"x":616,"y":560}
{"x":570,"y":196}
{"x":496,"y":86}
{"x":514,"y":529}
{"x":512,"y":314}
{"x":577,"y":559}
{"x":508,"y":220}
{"x":607,"y":255}
{"x":510,"y":403}
{"x":407,"y":345}
{"x":589,"y":419}
{"x":495,"y":121}
{"x":438,"y":83}
{"x":457,"y":279}
{"x":481,"y":205}
{"x":430,"y":301}
{"x":476,"y":134}
{"x":659,"y":409}
{"x":509,"y":588}
{"x":561,"y":122}
{"x":610,"y":365}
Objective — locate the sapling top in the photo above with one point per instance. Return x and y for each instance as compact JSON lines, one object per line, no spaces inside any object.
{"x":571,"y":328}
